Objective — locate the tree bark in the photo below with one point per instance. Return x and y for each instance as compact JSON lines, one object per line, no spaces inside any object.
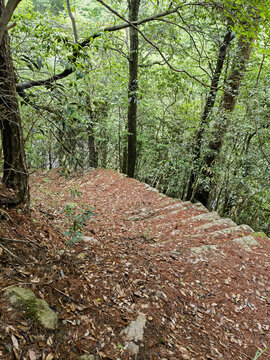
{"x":74,"y":28}
{"x":92,"y":150}
{"x":209,"y":104}
{"x":6,"y":14}
{"x":132,"y":89}
{"x":15,"y":175}
{"x":227,"y":105}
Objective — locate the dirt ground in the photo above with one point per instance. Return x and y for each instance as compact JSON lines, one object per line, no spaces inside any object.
{"x":204,"y":295}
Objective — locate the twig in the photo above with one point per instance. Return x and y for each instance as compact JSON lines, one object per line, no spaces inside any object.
{"x":61,"y":292}
{"x":25,"y":237}
{"x":68,"y":296}
{"x":6,"y":213}
{"x":10,"y":253}
{"x":13,"y":240}
{"x":46,"y":212}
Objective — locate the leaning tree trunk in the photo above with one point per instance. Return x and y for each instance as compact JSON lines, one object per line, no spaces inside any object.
{"x":132,"y":89}
{"x":209,"y":104}
{"x":227,"y":105}
{"x":15,"y":175}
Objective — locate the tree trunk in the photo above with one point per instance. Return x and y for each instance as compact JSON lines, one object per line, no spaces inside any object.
{"x":132,"y":89}
{"x":92,"y":149}
{"x":227,"y":105}
{"x":209,"y":104}
{"x":15,"y":175}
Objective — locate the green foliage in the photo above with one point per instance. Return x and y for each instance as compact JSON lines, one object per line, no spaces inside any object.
{"x":77,"y":218}
{"x":66,"y":120}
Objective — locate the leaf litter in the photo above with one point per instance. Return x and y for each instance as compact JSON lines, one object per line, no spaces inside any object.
{"x":132,"y":256}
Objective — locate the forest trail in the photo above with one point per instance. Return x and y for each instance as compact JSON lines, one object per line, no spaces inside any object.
{"x":197,"y":284}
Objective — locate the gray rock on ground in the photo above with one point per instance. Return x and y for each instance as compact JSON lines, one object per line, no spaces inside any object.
{"x":134,"y":333}
{"x":246,"y":241}
{"x":34,"y":307}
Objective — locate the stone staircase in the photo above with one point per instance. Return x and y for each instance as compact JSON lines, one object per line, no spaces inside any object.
{"x":194,"y":225}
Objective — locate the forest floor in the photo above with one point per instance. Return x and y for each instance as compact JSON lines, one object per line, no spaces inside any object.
{"x":201,"y":293}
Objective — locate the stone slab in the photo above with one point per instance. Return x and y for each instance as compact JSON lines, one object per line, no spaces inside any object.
{"x":218,"y":222}
{"x":246,"y":241}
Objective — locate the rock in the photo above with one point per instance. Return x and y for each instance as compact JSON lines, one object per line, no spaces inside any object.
{"x":218,"y":222}
{"x":199,"y":206}
{"x":134,"y":331}
{"x":246,"y":241}
{"x":175,"y":206}
{"x":132,"y":348}
{"x":34,"y":307}
{"x":90,"y":239}
{"x":148,"y":187}
{"x":203,"y":249}
{"x":206,"y":216}
{"x":86,"y":357}
{"x":232,"y":230}
{"x":245,"y":228}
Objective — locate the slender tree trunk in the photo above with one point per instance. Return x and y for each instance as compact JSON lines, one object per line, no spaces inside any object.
{"x":132,"y":89}
{"x":227,"y":105}
{"x":50,"y":151}
{"x":124,"y":167}
{"x":93,"y":158}
{"x":15,"y":175}
{"x":92,"y":149}
{"x":73,"y":22}
{"x":209,"y":104}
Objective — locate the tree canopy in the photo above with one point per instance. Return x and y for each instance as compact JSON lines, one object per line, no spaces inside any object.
{"x":172,"y":93}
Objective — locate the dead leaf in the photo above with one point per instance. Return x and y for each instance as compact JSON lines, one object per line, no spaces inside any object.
{"x":32,"y":355}
{"x":49,"y":357}
{"x":15,"y":342}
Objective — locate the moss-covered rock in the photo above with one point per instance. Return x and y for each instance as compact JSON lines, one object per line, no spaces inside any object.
{"x":246,"y":241}
{"x":34,"y":308}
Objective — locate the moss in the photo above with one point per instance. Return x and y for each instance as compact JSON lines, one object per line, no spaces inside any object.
{"x":33,"y":307}
{"x":259,"y":235}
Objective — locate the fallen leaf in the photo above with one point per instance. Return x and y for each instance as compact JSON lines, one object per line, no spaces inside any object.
{"x":49,"y":357}
{"x":15,"y":342}
{"x":32,"y":355}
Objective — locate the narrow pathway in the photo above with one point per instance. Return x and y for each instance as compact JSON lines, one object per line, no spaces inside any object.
{"x":198,"y":283}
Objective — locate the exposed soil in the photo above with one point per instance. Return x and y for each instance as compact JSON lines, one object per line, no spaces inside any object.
{"x":138,"y":257}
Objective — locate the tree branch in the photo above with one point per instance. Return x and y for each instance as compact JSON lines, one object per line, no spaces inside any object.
{"x":6,"y":16}
{"x":153,"y":45}
{"x":33,"y":83}
{"x":75,"y":33}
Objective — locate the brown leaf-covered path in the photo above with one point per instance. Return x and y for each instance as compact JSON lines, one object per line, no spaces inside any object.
{"x":200,"y":283}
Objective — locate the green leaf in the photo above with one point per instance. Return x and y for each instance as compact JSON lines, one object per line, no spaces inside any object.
{"x":79,"y":74}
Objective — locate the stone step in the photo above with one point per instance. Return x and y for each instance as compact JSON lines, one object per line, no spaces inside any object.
{"x":218,"y":222}
{"x":246,"y":241}
{"x":232,"y":230}
{"x":208,"y":216}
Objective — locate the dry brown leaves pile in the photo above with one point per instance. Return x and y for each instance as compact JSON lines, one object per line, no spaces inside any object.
{"x":136,"y":259}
